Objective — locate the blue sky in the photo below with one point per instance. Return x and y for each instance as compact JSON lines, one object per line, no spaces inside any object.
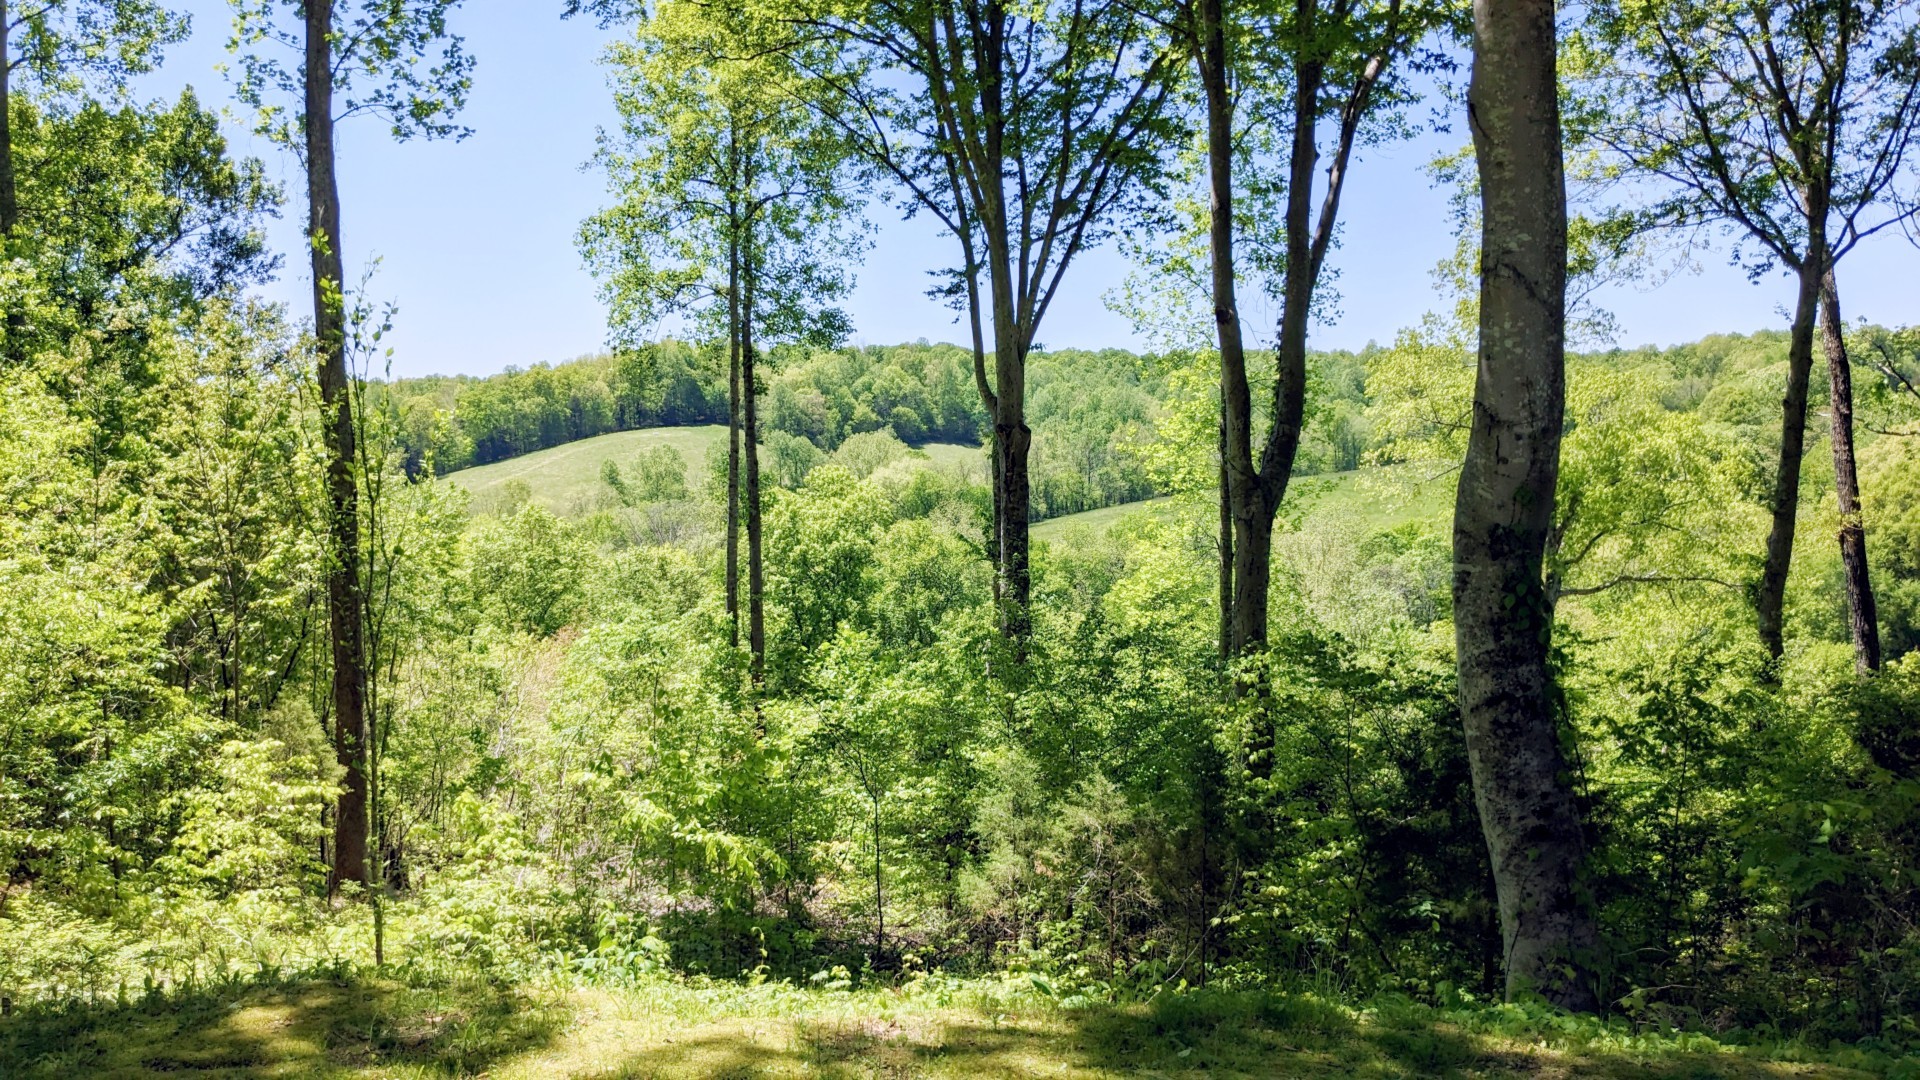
{"x":476,"y":239}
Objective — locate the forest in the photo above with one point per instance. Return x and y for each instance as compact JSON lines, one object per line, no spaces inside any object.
{"x":1496,"y":700}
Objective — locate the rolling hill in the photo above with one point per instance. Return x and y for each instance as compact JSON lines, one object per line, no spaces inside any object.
{"x":1375,"y":499}
{"x":566,"y":479}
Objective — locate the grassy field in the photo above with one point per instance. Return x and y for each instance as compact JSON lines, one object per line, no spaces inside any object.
{"x":1374,"y":499}
{"x":938,"y":1028}
{"x":566,"y":479}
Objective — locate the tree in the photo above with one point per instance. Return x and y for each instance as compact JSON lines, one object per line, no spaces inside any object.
{"x":1787,"y":124}
{"x":735,"y":202}
{"x":57,"y":45}
{"x":1504,"y":510}
{"x":129,"y":215}
{"x":1337,"y":60}
{"x":392,"y":59}
{"x":1029,"y":132}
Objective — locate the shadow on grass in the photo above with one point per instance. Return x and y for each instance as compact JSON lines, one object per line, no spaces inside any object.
{"x":1203,"y":1035}
{"x":337,"y":1029}
{"x":310,"y":1028}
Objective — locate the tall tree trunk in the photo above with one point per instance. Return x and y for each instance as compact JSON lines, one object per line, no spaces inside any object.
{"x":9,"y":193}
{"x":1862,"y":616}
{"x":1505,"y":508}
{"x":1012,"y":439}
{"x":346,"y":600}
{"x":1257,"y":504}
{"x":733,"y":437}
{"x":750,"y":425}
{"x":1225,"y":543}
{"x":16,"y":320}
{"x":1256,"y":490}
{"x":1770,"y":594}
{"x":1244,"y":553}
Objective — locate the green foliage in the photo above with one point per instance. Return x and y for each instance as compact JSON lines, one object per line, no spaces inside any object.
{"x":391,"y":59}
{"x":583,"y":785}
{"x":129,"y":212}
{"x":529,"y":570}
{"x":733,"y":196}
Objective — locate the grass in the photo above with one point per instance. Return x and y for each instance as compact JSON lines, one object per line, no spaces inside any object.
{"x":1373,"y":499}
{"x":566,"y":479}
{"x":1099,"y":521}
{"x":937,"y":1028}
{"x":972,"y":457}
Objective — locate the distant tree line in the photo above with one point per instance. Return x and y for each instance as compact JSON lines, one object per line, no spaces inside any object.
{"x":1099,"y":407}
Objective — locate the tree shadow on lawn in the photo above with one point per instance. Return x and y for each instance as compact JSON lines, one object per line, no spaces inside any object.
{"x":301,"y":1029}
{"x":337,"y":1029}
{"x":1207,"y":1035}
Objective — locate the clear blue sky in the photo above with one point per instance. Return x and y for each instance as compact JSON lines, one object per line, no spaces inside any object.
{"x":476,"y":238}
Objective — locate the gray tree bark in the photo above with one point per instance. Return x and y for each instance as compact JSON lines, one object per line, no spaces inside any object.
{"x":1505,"y":508}
{"x":346,"y":600}
{"x":1235,"y":400}
{"x":1770,"y":593}
{"x":1862,"y":613}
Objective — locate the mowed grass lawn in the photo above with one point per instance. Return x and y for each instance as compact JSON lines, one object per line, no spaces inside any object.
{"x":566,"y":479}
{"x":1371,"y":499}
{"x":951,"y":1029}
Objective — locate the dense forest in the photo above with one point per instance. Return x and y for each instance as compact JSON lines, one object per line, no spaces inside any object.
{"x":1491,"y":702}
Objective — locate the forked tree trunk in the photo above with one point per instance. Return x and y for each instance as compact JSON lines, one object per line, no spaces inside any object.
{"x":346,"y":601}
{"x":1505,"y":508}
{"x":1862,"y":615}
{"x":1236,"y":403}
{"x":1770,"y":594}
{"x":1255,"y":489}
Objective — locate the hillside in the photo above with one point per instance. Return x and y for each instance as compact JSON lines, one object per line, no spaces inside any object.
{"x":1373,"y":499}
{"x":566,"y":479}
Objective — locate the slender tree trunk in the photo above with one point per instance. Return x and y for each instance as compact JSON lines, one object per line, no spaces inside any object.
{"x":15,"y":319}
{"x":1244,"y":558}
{"x":1770,"y":594}
{"x":1225,"y":543}
{"x":1862,"y":617}
{"x":1505,"y":508}
{"x":9,"y":193}
{"x":733,"y":437}
{"x":346,"y":600}
{"x":1256,"y":490}
{"x":879,"y":897}
{"x":756,"y":611}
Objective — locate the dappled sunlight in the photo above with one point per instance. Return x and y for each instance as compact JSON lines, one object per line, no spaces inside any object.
{"x":345,"y":1030}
